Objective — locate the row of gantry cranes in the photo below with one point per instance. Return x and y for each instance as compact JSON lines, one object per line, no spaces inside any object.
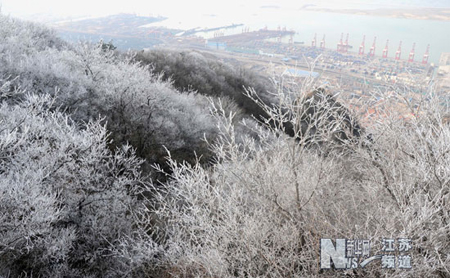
{"x":343,"y":47}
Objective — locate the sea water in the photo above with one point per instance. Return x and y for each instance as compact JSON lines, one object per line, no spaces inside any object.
{"x":308,"y":23}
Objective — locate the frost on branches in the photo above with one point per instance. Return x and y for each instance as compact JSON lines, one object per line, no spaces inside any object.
{"x":264,"y":206}
{"x":67,"y":203}
{"x":91,"y":82}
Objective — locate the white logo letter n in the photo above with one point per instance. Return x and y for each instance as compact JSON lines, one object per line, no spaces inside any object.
{"x":328,"y":252}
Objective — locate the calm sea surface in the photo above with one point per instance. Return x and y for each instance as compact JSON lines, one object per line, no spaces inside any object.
{"x":307,"y":23}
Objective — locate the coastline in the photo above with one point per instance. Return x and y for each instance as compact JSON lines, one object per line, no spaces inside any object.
{"x":416,"y":14}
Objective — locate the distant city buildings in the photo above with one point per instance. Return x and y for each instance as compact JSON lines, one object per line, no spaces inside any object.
{"x":444,"y":70}
{"x":445,"y":59}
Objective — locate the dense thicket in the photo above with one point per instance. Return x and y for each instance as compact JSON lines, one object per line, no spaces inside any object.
{"x":67,"y":203}
{"x":73,"y":203}
{"x":205,"y":74}
{"x":262,"y":210}
{"x":192,"y":70}
{"x":90,"y":81}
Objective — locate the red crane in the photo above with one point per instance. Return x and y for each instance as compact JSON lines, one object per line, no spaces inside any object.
{"x":314,"y":41}
{"x":426,"y":56}
{"x":372,"y":49}
{"x":398,"y":54}
{"x":362,"y":46}
{"x":345,"y":46}
{"x":340,"y":44}
{"x":412,"y":53}
{"x":322,"y":43}
{"x":385,"y":50}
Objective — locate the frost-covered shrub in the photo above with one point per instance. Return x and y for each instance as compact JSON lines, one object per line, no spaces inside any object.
{"x":209,"y":76}
{"x":249,"y":216}
{"x":264,"y":206}
{"x":23,"y":37}
{"x":67,"y":203}
{"x":410,"y":161}
{"x":92,"y":82}
{"x":141,"y":108}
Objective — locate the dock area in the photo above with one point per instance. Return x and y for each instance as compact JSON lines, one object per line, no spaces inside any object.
{"x":245,"y":37}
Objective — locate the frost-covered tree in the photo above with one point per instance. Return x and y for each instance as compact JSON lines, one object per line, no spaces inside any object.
{"x":67,"y":203}
{"x":74,"y":204}
{"x":209,"y":76}
{"x":264,"y":206}
{"x":92,"y":82}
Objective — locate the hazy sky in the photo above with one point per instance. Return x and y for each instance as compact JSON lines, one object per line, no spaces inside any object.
{"x":174,"y":7}
{"x":103,"y":7}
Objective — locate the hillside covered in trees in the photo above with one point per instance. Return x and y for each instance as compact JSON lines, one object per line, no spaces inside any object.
{"x":173,"y":164}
